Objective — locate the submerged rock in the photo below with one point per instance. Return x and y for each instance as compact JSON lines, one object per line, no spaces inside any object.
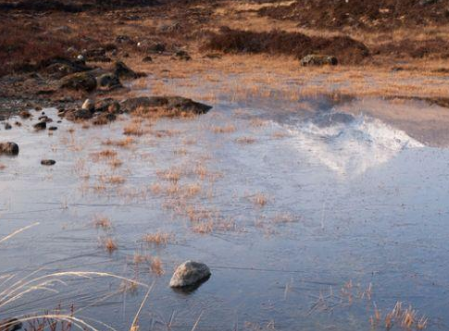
{"x":48,"y":162}
{"x":177,"y":105}
{"x":318,"y":60}
{"x":9,"y":148}
{"x":190,"y":273}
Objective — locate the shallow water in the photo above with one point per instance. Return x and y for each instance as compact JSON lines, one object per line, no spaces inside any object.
{"x":350,"y":201}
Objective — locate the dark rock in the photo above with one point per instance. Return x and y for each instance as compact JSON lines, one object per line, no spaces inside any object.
{"x":9,"y":148}
{"x":107,"y":105}
{"x":147,"y":59}
{"x":123,"y":71}
{"x":52,"y":128}
{"x":213,"y":56}
{"x":78,"y":114}
{"x":79,"y":81}
{"x":40,"y":126}
{"x":7,"y":126}
{"x":109,"y":81}
{"x":123,"y":39}
{"x":45,"y":119}
{"x":104,"y":118}
{"x":182,"y":55}
{"x":318,"y":60}
{"x":25,"y":114}
{"x":59,"y":67}
{"x":177,"y":105}
{"x":48,"y":162}
{"x":157,"y":48}
{"x":190,"y":273}
{"x":18,"y":124}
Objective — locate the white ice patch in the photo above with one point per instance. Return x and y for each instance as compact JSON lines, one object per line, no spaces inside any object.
{"x":354,"y":147}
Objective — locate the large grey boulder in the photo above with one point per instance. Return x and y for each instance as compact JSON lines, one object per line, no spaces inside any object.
{"x":190,"y":273}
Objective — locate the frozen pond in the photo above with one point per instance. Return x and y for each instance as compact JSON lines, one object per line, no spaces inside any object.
{"x":309,"y":220}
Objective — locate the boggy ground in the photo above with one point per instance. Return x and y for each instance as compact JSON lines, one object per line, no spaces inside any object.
{"x":253,"y":39}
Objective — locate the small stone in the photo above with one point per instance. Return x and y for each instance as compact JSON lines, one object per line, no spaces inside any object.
{"x":147,"y":59}
{"x":190,"y":273}
{"x":48,"y":162}
{"x":52,"y":128}
{"x":7,"y":126}
{"x":9,"y":148}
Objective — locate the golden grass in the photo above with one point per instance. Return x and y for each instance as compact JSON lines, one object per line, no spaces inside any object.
{"x":158,"y":238}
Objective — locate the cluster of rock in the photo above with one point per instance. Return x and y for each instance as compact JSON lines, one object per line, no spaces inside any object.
{"x":88,"y":79}
{"x":106,"y":110}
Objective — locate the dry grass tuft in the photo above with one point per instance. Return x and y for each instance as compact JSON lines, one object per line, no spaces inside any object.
{"x":123,"y":143}
{"x":139,"y":258}
{"x":102,"y":222}
{"x":156,"y":266}
{"x":173,"y":175}
{"x":134,"y":129}
{"x":105,"y":154}
{"x":115,"y":180}
{"x":260,"y":199}
{"x":224,"y":129}
{"x":245,"y":140}
{"x":203,"y":227}
{"x":110,"y":245}
{"x":158,"y":238}
{"x":115,"y":163}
